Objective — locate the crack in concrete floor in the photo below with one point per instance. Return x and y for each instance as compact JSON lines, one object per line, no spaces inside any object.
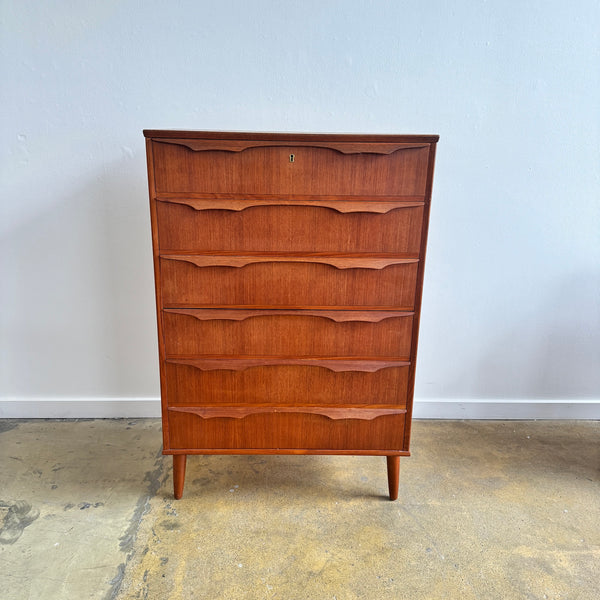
{"x":486,"y":510}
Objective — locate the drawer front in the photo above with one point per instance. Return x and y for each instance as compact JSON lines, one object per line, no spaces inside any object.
{"x":286,"y":431}
{"x":284,"y":384}
{"x":287,"y":284}
{"x":269,"y":170}
{"x":268,"y":333}
{"x":289,"y":229}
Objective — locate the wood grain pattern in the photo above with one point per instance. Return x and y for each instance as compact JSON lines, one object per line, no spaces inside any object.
{"x":286,"y":284}
{"x":199,"y":145}
{"x":226,"y":259}
{"x":287,"y":451}
{"x":287,"y":333}
{"x":419,"y":289}
{"x":289,"y":273}
{"x":286,"y":430}
{"x":241,"y":314}
{"x":285,"y":384}
{"x":393,"y":472}
{"x":362,"y":413}
{"x":319,"y":171}
{"x":341,"y":204}
{"x":290,"y":228}
{"x":158,"y":290}
{"x":196,"y":134}
{"x":241,"y":363}
{"x":179,"y":461}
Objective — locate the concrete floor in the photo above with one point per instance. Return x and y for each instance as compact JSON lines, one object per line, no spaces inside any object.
{"x":486,"y":510}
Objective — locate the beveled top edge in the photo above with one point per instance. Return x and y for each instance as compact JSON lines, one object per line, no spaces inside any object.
{"x":289,"y":137}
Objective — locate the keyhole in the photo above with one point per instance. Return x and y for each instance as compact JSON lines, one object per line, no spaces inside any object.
{"x":292,"y":157}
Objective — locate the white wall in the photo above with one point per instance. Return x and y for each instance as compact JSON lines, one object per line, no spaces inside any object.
{"x":511,"y":299}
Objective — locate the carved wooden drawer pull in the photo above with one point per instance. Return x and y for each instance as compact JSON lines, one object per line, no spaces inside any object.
{"x":339,"y":262}
{"x":336,"y":365}
{"x":341,"y":206}
{"x":363,"y":413}
{"x":240,"y":314}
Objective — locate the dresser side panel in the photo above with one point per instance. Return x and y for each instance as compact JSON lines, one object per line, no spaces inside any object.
{"x":158,"y":292}
{"x":419,"y":295}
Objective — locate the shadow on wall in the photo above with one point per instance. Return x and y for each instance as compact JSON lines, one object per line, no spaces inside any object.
{"x":79,"y":314}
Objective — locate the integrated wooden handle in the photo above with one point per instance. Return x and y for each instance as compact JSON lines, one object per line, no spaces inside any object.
{"x":341,"y":206}
{"x":201,"y":145}
{"x":363,"y":413}
{"x":337,"y":365}
{"x":339,"y":262}
{"x":339,"y":316}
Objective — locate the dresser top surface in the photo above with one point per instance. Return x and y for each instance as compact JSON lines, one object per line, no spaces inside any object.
{"x":287,"y":137}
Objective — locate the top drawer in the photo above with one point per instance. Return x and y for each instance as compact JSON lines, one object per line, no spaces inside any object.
{"x":194,"y":166}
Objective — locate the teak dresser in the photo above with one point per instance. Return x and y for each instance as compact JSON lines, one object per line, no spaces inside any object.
{"x":288,"y":272}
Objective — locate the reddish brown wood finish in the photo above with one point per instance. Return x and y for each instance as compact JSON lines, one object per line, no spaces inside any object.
{"x":287,"y":229}
{"x":269,"y":170}
{"x":292,"y":333}
{"x":241,"y":363}
{"x":158,"y":292}
{"x":341,"y":204}
{"x":339,"y":261}
{"x":362,"y":412}
{"x":234,"y":138}
{"x":289,"y":284}
{"x":393,"y":472}
{"x":419,"y":290}
{"x":288,"y":273}
{"x":285,"y":384}
{"x":339,"y":315}
{"x":179,"y":461}
{"x":239,"y":145}
{"x":286,"y":430}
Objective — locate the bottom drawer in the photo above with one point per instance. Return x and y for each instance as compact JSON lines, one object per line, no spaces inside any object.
{"x":278,"y":431}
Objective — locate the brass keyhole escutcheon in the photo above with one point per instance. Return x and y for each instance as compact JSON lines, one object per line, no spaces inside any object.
{"x":292,"y":158}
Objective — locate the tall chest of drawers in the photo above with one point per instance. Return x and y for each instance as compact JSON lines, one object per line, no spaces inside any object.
{"x":288,"y":271}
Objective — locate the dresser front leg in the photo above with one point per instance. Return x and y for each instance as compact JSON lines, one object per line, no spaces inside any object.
{"x":179,"y":461}
{"x":393,"y":472}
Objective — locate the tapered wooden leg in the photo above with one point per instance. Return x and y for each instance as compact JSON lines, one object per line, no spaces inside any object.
{"x":393,"y":472}
{"x":179,"y":461}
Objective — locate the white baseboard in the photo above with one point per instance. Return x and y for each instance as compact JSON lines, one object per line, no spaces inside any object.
{"x":112,"y":408}
{"x":525,"y":408}
{"x":78,"y":408}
